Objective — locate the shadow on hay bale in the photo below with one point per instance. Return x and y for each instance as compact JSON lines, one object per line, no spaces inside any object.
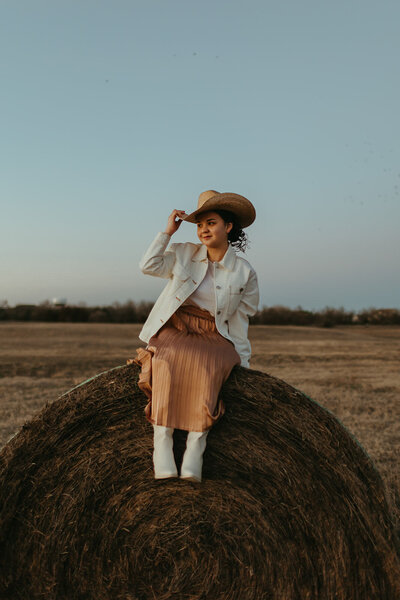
{"x":290,"y":506}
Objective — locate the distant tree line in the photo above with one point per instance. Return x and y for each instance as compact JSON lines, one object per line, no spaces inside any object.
{"x":328,"y":317}
{"x":137,"y":312}
{"x":129,"y":312}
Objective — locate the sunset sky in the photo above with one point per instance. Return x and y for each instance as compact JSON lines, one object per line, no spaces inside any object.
{"x":113,"y":113}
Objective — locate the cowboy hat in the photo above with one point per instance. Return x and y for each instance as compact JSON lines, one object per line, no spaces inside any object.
{"x":238,"y":205}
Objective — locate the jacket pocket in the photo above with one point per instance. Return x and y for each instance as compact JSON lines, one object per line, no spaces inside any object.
{"x":235,"y":296}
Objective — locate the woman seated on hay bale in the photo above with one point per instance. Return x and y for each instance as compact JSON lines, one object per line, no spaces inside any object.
{"x":197,"y":330}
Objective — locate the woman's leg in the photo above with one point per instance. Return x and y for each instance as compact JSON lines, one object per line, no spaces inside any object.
{"x":163,"y":455}
{"x":192,"y":463}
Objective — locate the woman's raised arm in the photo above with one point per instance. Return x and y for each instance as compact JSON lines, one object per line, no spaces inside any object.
{"x":156,"y":261}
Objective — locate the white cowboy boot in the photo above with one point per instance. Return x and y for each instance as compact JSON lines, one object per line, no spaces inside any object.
{"x":192,"y":463}
{"x":163,"y":455}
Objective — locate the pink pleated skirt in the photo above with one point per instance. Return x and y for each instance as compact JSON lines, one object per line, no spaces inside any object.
{"x":183,"y":369}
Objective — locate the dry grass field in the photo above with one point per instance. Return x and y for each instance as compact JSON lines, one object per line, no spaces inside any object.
{"x":352,"y":371}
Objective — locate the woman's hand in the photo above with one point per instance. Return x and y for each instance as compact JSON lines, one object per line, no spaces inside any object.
{"x":173,"y":224}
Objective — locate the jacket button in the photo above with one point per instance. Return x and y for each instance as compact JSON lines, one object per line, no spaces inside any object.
{"x":218,"y":312}
{"x":241,"y":290}
{"x":218,"y":287}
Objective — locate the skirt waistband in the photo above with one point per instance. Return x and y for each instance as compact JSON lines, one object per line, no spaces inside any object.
{"x":191,"y":309}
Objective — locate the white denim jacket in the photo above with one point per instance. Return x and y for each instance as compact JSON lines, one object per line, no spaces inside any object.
{"x":185,"y":265}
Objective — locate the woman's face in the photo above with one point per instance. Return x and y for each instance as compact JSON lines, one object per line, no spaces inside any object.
{"x":212,"y":230}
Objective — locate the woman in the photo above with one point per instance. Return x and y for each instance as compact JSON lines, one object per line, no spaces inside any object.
{"x":197,"y":330}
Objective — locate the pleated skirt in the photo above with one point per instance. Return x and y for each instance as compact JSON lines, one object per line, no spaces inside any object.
{"x":183,"y":369}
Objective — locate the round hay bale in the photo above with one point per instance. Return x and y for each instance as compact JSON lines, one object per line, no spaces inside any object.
{"x":290,"y":507}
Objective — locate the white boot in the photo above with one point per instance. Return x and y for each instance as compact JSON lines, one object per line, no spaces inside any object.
{"x":163,"y":455}
{"x":192,"y":463}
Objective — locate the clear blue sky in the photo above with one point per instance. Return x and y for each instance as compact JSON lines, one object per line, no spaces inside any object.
{"x":115,"y":112}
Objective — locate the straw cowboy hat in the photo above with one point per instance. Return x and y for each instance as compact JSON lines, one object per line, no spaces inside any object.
{"x":238,"y":205}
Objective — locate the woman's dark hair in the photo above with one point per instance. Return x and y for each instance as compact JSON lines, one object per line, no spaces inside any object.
{"x":237,"y":237}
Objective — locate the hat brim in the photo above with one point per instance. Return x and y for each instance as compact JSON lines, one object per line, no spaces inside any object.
{"x":240,"y":206}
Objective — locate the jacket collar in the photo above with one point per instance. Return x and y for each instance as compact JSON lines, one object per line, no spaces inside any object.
{"x":227,"y":262}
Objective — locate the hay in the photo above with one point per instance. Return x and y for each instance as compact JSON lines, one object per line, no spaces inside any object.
{"x":290,"y":507}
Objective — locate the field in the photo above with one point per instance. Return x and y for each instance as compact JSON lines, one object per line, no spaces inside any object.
{"x":352,"y":371}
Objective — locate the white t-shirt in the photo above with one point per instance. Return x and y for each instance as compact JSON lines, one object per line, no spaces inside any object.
{"x":204,"y":295}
